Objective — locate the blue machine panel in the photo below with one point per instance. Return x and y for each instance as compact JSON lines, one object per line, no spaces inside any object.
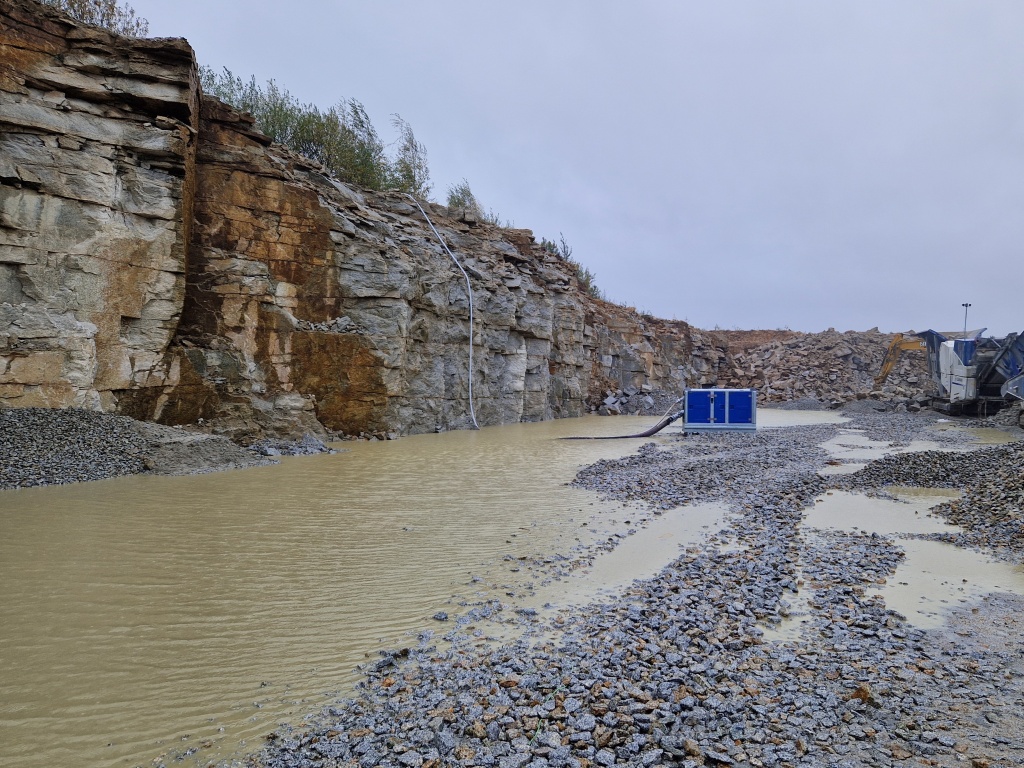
{"x":698,"y":406}
{"x":720,"y":409}
{"x":741,"y":406}
{"x":965,"y":349}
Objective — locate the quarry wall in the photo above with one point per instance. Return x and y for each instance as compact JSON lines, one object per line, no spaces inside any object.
{"x":161,"y":258}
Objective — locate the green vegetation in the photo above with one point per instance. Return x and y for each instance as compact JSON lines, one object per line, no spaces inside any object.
{"x":104,"y":13}
{"x":341,"y":138}
{"x":586,"y":278}
{"x":461,"y":196}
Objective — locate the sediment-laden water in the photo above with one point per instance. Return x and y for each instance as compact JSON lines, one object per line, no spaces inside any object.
{"x":146,"y":618}
{"x":146,"y":615}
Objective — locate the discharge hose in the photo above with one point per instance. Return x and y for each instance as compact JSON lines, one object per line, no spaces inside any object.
{"x":469,"y":292}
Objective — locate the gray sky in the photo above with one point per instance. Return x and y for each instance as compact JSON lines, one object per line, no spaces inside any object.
{"x":734,"y":164}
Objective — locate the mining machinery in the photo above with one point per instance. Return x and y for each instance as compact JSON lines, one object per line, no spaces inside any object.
{"x":973,"y":373}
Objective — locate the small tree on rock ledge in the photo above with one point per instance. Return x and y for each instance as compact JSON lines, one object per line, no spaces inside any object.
{"x":104,"y":13}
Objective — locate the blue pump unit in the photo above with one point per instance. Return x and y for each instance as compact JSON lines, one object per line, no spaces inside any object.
{"x":717,"y":410}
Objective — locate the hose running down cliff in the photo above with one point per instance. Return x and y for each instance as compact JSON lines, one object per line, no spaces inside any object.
{"x":469,"y":292}
{"x":665,"y":420}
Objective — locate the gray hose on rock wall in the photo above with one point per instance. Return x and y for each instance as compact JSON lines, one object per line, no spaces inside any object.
{"x":469,"y":291}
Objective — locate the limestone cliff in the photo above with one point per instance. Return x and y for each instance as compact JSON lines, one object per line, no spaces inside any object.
{"x":310,"y":297}
{"x":97,"y":146}
{"x":161,"y":258}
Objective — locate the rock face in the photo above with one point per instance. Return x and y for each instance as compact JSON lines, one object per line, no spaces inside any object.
{"x":308,"y":296}
{"x":161,"y":258}
{"x":97,"y":145}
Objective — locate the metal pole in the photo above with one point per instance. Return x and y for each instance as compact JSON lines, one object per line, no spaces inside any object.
{"x":965,"y":306}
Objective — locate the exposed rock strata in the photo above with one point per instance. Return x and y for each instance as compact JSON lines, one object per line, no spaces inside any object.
{"x":161,"y":258}
{"x":97,"y":144}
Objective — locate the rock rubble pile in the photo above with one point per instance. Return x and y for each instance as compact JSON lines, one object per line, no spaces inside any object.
{"x":635,"y":401}
{"x":829,"y":366}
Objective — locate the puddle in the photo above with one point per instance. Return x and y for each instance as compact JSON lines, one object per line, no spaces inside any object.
{"x":934,"y":576}
{"x":641,"y":555}
{"x":797,"y":612}
{"x":933,"y":495}
{"x":854,"y":445}
{"x":983,"y":435}
{"x":778,"y":417}
{"x":847,"y":511}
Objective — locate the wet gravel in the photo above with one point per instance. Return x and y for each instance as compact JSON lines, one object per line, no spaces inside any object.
{"x":696,"y":666}
{"x":991,"y":509}
{"x":937,"y":469}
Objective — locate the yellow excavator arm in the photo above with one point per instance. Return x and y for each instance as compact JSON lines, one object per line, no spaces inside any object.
{"x":892,"y":355}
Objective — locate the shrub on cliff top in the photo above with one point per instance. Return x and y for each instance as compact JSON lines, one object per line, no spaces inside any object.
{"x":586,"y":278}
{"x":461,"y":196}
{"x":104,"y":13}
{"x":341,"y":138}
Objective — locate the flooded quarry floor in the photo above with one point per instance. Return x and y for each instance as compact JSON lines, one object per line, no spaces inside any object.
{"x":719,"y":599}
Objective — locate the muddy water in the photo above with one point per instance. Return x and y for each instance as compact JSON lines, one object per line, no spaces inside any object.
{"x":146,"y":617}
{"x":934,"y":576}
{"x":642,"y":555}
{"x":152,"y":615}
{"x":851,"y":449}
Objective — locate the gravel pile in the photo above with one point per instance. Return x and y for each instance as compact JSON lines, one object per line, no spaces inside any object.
{"x":935,"y":469}
{"x":52,"y":446}
{"x":679,"y":670}
{"x":992,"y":509}
{"x":43,"y":446}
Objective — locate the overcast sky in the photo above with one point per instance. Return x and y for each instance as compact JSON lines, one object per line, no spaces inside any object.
{"x":734,"y":164}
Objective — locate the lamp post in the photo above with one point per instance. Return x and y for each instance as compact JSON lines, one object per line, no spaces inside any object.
{"x":965,"y":306}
